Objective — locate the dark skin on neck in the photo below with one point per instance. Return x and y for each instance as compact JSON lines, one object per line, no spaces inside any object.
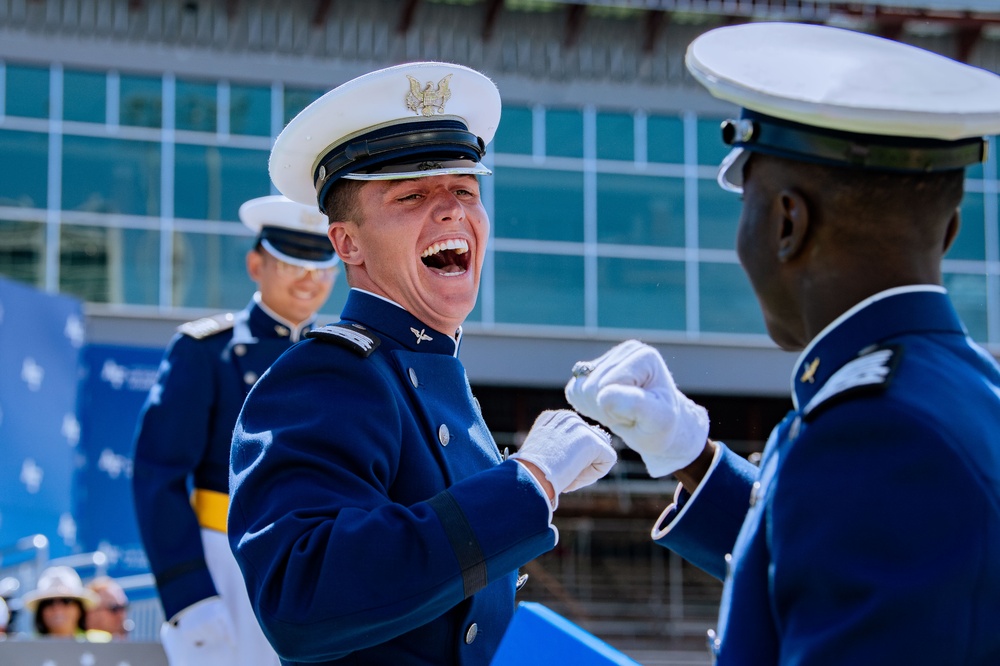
{"x":816,"y":240}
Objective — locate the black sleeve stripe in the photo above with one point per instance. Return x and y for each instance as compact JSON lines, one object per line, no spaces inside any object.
{"x":463,"y":541}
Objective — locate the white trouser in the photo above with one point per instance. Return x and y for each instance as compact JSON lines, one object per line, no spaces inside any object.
{"x":252,"y":649}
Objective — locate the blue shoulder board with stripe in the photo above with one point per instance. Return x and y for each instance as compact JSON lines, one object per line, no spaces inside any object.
{"x":870,"y":372}
{"x":352,"y":336}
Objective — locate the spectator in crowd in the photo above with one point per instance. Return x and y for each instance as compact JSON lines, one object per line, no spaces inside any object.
{"x":111,"y":613}
{"x":60,"y":603}
{"x":9,"y":586}
{"x":4,"y":618}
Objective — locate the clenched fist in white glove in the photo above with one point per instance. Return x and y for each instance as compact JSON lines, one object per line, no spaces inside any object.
{"x":202,"y":633}
{"x":568,"y":451}
{"x":630,"y":391}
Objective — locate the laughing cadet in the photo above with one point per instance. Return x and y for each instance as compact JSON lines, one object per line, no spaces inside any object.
{"x":372,"y":515}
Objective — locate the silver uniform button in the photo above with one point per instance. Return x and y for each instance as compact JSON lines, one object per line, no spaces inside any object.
{"x":471,"y":633}
{"x":250,"y":378}
{"x":413,"y":377}
{"x":240,"y":350}
{"x":282,"y":331}
{"x":443,"y":435}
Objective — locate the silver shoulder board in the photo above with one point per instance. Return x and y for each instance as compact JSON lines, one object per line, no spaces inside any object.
{"x":867,"y":373}
{"x":208,"y":326}
{"x":353,"y":336}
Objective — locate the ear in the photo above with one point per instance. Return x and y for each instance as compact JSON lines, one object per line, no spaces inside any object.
{"x":794,"y":227}
{"x":951,"y":233}
{"x":343,"y":239}
{"x":255,"y":264}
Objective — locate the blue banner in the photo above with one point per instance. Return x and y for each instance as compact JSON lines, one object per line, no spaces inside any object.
{"x":41,"y":336}
{"x":114,"y":384}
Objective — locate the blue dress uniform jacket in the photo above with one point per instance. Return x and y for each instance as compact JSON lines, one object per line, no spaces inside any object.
{"x":372,"y":515}
{"x":873,"y":533}
{"x":184,"y":434}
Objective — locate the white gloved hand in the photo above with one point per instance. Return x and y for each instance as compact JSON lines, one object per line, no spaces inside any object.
{"x":630,"y":391}
{"x":202,"y":633}
{"x":569,"y":452}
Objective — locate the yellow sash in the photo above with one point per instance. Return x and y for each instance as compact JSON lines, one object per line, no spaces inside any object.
{"x":211,"y":507}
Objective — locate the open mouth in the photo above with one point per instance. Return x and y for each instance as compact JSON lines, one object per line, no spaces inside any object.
{"x":448,"y":257}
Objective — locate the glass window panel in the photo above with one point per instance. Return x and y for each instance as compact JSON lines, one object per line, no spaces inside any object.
{"x":85,"y":96}
{"x":968,"y":293}
{"x":27,"y":91}
{"x":665,"y":138}
{"x":615,"y":136}
{"x":141,"y":102}
{"x":212,"y":182}
{"x":197,"y":106}
{"x":250,"y":110}
{"x":22,"y":251}
{"x":564,"y":133}
{"x":971,"y":240}
{"x":111,"y":175}
{"x":477,"y":310}
{"x":538,"y":204}
{"x":110,"y":265}
{"x":635,"y":293}
{"x":718,"y":216}
{"x":210,"y":271}
{"x":335,"y":303}
{"x":976,"y":170}
{"x":640,"y":210}
{"x":728,"y":304}
{"x":297,"y":99}
{"x":539,"y":289}
{"x":515,"y":132}
{"x":24,"y":158}
{"x":711,"y":149}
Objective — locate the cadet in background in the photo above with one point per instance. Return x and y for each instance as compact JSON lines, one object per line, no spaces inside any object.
{"x":185,"y":433}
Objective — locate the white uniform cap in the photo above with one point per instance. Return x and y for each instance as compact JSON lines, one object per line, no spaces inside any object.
{"x":412,"y":120}
{"x":290,"y":231}
{"x":833,"y":96}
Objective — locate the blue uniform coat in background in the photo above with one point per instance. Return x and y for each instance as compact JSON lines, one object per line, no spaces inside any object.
{"x":184,"y":434}
{"x":873,"y":531}
{"x":372,"y":515}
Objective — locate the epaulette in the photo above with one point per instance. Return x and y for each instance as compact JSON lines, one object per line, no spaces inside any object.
{"x":869,"y":373}
{"x":208,"y":326}
{"x":353,"y":336}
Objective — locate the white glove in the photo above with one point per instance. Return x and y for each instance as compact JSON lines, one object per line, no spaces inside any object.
{"x":202,"y":633}
{"x":631,"y":392}
{"x":569,"y":452}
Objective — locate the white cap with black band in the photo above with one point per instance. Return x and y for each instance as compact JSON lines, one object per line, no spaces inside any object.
{"x":834,"y":96}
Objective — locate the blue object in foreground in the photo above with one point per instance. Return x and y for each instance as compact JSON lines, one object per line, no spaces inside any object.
{"x":542,"y":637}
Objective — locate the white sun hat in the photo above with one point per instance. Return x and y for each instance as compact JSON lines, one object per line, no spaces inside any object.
{"x":60,"y":582}
{"x":834,"y":96}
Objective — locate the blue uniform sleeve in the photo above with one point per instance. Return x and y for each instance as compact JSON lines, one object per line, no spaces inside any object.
{"x":864,"y":554}
{"x":172,"y":436}
{"x":702,"y":528}
{"x":333,"y":562}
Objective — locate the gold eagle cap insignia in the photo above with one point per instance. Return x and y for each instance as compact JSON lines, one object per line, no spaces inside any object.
{"x":428,"y":100}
